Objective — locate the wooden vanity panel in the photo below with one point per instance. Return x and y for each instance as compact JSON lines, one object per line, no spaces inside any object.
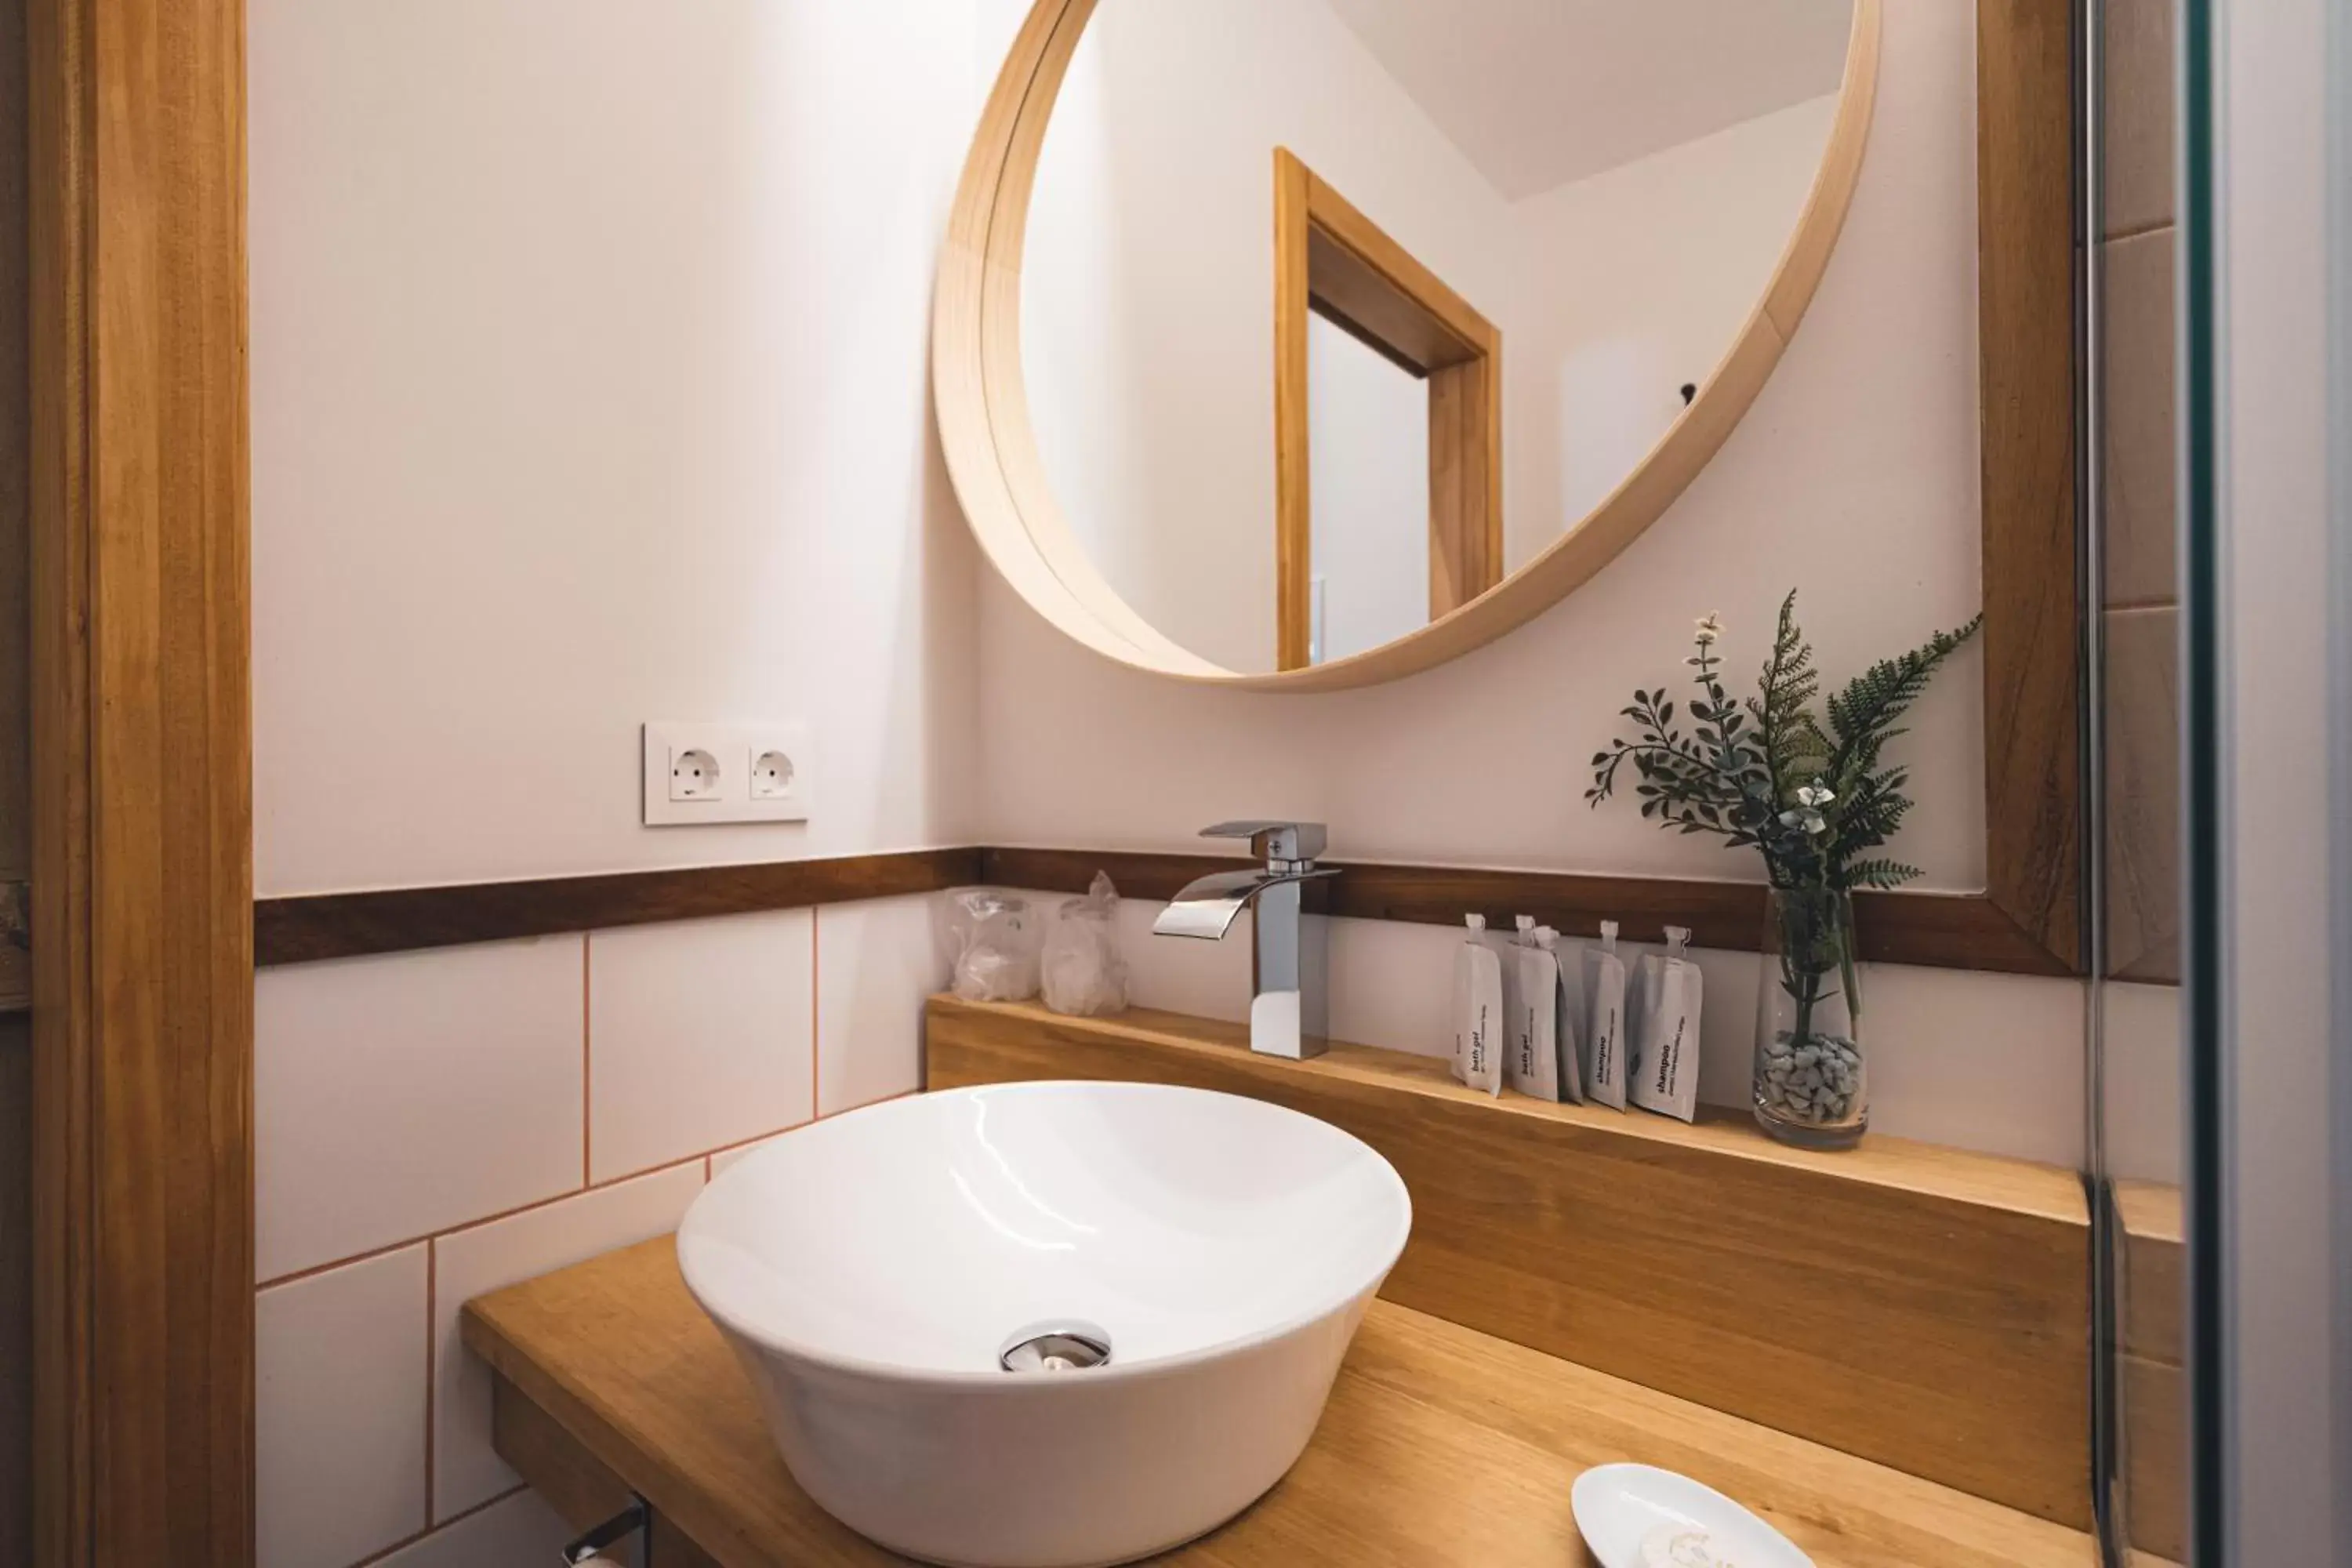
{"x":1925,"y":1308}
{"x":574,"y":1482}
{"x":1441,"y":1448}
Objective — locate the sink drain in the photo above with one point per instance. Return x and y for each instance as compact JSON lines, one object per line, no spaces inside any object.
{"x":1058,"y":1347}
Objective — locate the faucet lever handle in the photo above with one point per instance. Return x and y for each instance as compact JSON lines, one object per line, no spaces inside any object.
{"x":1274,"y":840}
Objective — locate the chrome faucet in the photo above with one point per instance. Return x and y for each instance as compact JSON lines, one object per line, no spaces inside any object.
{"x":1288,"y":1011}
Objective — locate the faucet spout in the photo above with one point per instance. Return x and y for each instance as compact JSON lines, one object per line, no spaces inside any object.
{"x":1207,"y":906}
{"x":1288,"y":1010}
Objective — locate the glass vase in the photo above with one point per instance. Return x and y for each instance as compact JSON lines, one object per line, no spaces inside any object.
{"x":1813,"y":1084}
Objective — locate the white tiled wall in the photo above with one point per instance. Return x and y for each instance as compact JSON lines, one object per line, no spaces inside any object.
{"x":705,"y":1035}
{"x":434,"y":1125}
{"x":512,"y":1533}
{"x":335,"y":1346}
{"x":398,"y":1096}
{"x":875,"y":962}
{"x":716,"y":1165}
{"x":466,"y":1473}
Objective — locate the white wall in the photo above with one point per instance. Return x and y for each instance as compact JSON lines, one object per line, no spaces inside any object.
{"x":1147,"y":297}
{"x":1148,"y":281}
{"x":1638,"y":279}
{"x":589,"y":387}
{"x":1854,"y":476}
{"x":1626,"y":285}
{"x":1368,"y":489}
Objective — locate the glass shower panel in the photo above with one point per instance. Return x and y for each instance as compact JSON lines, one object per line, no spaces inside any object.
{"x":2137,"y":1139}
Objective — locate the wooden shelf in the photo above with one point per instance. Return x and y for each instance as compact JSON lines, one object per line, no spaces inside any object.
{"x":1925,"y":1308}
{"x":1440,"y":1446}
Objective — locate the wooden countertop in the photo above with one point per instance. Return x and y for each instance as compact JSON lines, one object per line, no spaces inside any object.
{"x":1926,"y":1307}
{"x":1440,"y":1446}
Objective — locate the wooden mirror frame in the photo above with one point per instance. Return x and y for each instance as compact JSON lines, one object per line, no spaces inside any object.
{"x":985,"y":429}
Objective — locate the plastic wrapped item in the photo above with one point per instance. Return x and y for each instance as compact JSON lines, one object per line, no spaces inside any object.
{"x":994,"y":938}
{"x":1083,"y":974}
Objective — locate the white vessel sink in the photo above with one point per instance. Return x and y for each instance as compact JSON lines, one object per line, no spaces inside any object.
{"x":872,"y":1272}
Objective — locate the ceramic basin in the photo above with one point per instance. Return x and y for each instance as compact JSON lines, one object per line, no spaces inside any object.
{"x":872,"y":1270}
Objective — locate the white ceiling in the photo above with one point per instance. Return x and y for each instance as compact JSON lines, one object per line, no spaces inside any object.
{"x":1539,"y":92}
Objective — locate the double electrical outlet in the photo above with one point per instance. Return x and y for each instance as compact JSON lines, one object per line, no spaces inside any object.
{"x":727,"y":772}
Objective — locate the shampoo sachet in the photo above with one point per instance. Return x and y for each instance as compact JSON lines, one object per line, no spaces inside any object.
{"x":1665,"y":1063}
{"x":1604,"y":1020}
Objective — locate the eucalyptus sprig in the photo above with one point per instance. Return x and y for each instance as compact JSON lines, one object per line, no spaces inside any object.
{"x":1812,"y":793}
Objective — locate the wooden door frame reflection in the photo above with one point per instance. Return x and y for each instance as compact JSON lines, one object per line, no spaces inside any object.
{"x":1332,"y":261}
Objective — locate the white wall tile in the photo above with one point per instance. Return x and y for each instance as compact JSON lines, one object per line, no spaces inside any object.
{"x":876,"y":964}
{"x":339,"y":1412}
{"x":516,"y":1532}
{"x":726,"y":1157}
{"x":401,"y":1095}
{"x":523,"y":1246}
{"x":699,"y":1035}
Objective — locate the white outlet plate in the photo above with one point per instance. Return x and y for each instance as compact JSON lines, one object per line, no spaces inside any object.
{"x":744,"y":791}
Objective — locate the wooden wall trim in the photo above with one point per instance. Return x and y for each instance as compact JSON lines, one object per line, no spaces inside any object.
{"x":2027,"y":344}
{"x":143,"y":973}
{"x":1943,"y":930}
{"x":347,"y":925}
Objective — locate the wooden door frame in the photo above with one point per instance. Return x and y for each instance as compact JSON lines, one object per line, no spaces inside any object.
{"x":1332,"y":261}
{"x":2029,"y":344}
{"x":142,"y":985}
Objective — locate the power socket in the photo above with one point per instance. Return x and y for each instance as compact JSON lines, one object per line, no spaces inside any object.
{"x":727,"y":772}
{"x":772,"y":773}
{"x":694,"y":775}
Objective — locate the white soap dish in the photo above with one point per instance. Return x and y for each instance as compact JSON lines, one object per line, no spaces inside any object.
{"x":1638,"y":1516}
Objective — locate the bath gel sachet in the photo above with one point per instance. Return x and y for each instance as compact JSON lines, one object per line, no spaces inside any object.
{"x":1568,"y":1014}
{"x":1531,"y":993}
{"x":1604,"y":1020}
{"x":1665,"y":1063}
{"x":1478,"y":1011}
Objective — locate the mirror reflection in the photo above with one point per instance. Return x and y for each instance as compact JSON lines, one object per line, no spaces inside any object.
{"x":1335,"y":312}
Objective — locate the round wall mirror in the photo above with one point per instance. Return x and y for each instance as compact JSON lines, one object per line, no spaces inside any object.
{"x":1305,"y":343}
